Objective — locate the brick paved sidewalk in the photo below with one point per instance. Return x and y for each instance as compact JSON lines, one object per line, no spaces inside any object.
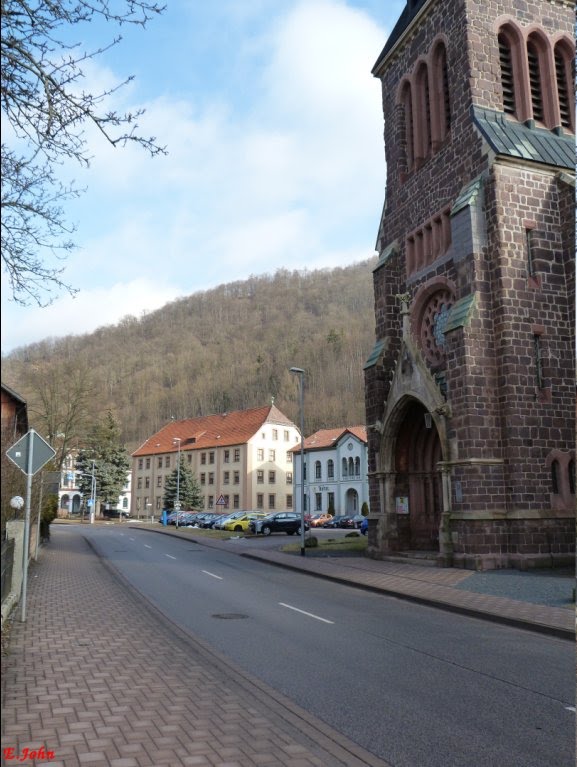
{"x":99,"y":678}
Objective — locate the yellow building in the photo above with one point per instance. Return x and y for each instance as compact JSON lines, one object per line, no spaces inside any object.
{"x":241,"y":460}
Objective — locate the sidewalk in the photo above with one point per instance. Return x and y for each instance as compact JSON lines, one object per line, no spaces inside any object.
{"x":536,"y":601}
{"x":95,"y":677}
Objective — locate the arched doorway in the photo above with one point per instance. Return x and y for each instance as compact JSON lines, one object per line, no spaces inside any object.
{"x":418,"y":488}
{"x":352,"y":502}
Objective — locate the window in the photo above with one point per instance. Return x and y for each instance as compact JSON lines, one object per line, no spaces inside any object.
{"x":507,"y":77}
{"x":271,"y":501}
{"x":140,"y":462}
{"x":158,"y":502}
{"x":271,"y":455}
{"x":226,"y":501}
{"x":236,"y":477}
{"x":145,"y":502}
{"x":211,"y":456}
{"x":148,"y":463}
{"x":357,"y":467}
{"x":286,"y":435}
{"x":555,"y":477}
{"x":289,"y":477}
{"x":535,"y":81}
{"x":147,"y":482}
{"x":345,"y":471}
{"x":564,"y":75}
{"x":202,"y":478}
{"x":260,"y":454}
{"x":159,"y":482}
{"x":236,"y":501}
{"x":226,"y":478}
{"x":203,"y":458}
{"x":318,"y":501}
{"x":211,"y":478}
{"x":571,"y":470}
{"x":263,"y":434}
{"x":318,"y":470}
{"x":331,"y":500}
{"x":272,"y":477}
{"x":189,"y":458}
{"x":226,"y":458}
{"x":260,"y":501}
{"x":289,"y":457}
{"x":139,"y":483}
{"x":275,"y":434}
{"x":260,"y":476}
{"x":529,"y":251}
{"x":160,"y":462}
{"x":422,"y":124}
{"x":406,"y":113}
{"x":167,"y":462}
{"x":138,"y":504}
{"x":211,"y":501}
{"x":289,"y":501}
{"x":236,"y":455}
{"x":330,"y":469}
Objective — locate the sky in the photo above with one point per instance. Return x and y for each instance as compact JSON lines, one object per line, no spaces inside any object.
{"x":274,"y":131}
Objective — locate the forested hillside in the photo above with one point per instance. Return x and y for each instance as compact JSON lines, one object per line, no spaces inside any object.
{"x":224,"y":349}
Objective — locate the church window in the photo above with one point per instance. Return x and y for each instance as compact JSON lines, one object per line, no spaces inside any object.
{"x":440,"y":103}
{"x":529,"y":250}
{"x":507,"y":78}
{"x":535,"y":81}
{"x":407,"y":118}
{"x":564,"y":65}
{"x":555,"y":477}
{"x":422,"y":123}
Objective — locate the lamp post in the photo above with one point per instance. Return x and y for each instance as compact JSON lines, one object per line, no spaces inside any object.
{"x":300,"y":372}
{"x":176,"y":441}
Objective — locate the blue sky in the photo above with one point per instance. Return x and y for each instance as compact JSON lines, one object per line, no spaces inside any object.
{"x":273,"y":125}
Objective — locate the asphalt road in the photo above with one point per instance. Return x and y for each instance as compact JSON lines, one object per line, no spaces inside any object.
{"x":416,"y":686}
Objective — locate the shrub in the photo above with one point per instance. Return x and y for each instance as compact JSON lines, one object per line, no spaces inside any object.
{"x":311,"y":542}
{"x":365,"y":509}
{"x":352,"y":535}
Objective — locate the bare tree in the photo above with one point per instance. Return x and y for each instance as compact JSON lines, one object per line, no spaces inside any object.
{"x":46,"y":111}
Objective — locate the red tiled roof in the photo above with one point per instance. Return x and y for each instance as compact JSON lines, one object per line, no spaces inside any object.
{"x":328,"y":437}
{"x":234,"y":428}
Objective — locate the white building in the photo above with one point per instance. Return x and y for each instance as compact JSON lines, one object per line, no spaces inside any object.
{"x":335,"y":471}
{"x":70,"y":499}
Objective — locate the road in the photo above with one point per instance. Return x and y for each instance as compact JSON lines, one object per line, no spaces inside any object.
{"x":417,"y":686}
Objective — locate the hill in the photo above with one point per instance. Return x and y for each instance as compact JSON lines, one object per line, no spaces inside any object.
{"x":223,"y":349}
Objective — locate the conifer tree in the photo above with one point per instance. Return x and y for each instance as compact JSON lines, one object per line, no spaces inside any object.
{"x":106,"y":459}
{"x":189,"y":493}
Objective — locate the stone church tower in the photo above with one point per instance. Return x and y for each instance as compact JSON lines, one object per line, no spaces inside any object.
{"x":470,"y":388}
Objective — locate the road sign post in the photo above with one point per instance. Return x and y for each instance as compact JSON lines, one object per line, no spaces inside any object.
{"x":30,"y":454}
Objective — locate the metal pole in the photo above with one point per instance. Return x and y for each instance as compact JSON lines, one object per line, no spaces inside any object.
{"x":300,"y":372}
{"x":25,"y":553}
{"x":92,"y":496}
{"x":177,"y":504}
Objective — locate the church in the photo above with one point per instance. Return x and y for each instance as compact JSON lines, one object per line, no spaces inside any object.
{"x":470,"y":386}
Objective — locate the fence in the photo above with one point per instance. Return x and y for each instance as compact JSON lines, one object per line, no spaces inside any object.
{"x":7,"y":564}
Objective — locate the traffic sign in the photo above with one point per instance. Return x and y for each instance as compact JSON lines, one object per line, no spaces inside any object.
{"x":31,"y":452}
{"x":221,"y":501}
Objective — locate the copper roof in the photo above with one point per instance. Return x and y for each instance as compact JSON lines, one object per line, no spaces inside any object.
{"x":325,"y":438}
{"x":234,"y":428}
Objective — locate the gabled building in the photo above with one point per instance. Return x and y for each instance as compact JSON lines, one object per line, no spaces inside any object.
{"x":470,"y":388}
{"x":335,"y":471}
{"x":242,"y":461}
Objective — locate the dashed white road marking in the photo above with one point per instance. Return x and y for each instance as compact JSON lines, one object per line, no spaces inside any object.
{"x":212,"y":575}
{"x":304,"y":612}
{"x":146,"y":546}
{"x":132,"y":539}
{"x":571,"y":708}
{"x":169,"y":556}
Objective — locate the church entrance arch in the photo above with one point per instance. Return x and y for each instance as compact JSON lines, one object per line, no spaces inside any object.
{"x":417,"y":494}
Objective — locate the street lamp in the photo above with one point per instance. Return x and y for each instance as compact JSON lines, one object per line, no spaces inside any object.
{"x":176,"y":441}
{"x":300,"y":372}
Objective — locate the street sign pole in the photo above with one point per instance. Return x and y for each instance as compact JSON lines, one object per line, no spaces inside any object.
{"x":25,"y":553}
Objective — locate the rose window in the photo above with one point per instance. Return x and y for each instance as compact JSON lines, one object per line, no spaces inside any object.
{"x":433,"y":322}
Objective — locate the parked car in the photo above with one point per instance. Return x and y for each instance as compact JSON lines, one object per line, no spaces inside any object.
{"x":352,"y":521}
{"x":288,"y":522}
{"x":209,"y":523}
{"x":318,"y":520}
{"x":333,"y":522}
{"x":240,"y":524}
{"x":364,"y":526}
{"x":220,"y":523}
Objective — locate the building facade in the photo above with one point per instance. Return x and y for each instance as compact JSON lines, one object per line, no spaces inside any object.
{"x":470,"y":388}
{"x":71,"y":500}
{"x":242,"y":461}
{"x":335,"y":472}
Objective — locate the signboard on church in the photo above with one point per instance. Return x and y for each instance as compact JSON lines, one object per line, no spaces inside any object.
{"x":402,"y":504}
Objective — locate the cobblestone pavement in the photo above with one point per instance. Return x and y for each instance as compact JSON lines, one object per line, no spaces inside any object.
{"x":96,"y":677}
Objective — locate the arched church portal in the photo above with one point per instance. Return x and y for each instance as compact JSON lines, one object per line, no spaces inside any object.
{"x":418,"y":486}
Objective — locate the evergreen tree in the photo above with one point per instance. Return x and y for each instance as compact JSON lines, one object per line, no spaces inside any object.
{"x":106,"y":459}
{"x":189,"y":492}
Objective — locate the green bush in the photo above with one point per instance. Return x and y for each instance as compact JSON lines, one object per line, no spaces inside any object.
{"x":311,"y":542}
{"x":365,"y":509}
{"x":352,"y":535}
